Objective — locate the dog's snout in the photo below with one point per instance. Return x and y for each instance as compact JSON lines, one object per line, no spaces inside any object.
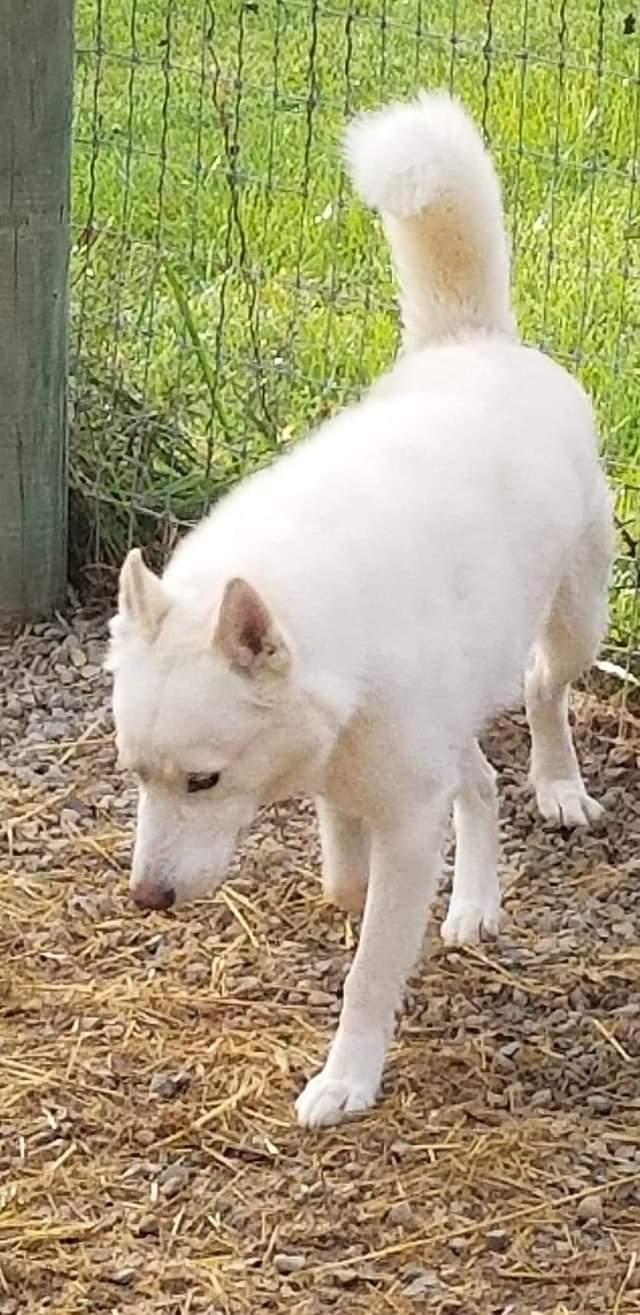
{"x":150,"y":895}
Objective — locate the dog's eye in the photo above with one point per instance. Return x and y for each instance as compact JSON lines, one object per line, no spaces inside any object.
{"x":202,"y":781}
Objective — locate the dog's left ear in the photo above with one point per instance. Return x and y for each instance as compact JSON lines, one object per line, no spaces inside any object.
{"x":246,"y":633}
{"x":142,"y":599}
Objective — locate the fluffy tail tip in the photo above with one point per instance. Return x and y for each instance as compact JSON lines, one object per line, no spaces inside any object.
{"x":398,"y":156}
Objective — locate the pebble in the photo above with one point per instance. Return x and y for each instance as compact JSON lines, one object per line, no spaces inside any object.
{"x":542,"y":1097}
{"x":497,"y":1239}
{"x":122,"y":1276}
{"x":167,"y":1085}
{"x":400,"y":1214}
{"x":345,"y":1275}
{"x":197,"y":973}
{"x":590,"y":1209}
{"x":289,"y":1263}
{"x":425,"y":1280}
{"x":147,"y":1226}
{"x":68,"y":817}
{"x":172,"y":1180}
{"x":90,"y":671}
{"x":600,"y":1104}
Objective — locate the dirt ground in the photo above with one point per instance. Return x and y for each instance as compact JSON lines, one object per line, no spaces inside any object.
{"x":149,"y":1156}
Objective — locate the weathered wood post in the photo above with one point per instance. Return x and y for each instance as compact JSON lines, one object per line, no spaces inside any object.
{"x":36,"y":85}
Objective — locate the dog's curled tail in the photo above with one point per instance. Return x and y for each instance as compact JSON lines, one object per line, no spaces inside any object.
{"x":424,"y":167}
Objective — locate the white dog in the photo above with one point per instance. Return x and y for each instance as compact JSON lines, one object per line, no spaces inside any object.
{"x":345,"y":622}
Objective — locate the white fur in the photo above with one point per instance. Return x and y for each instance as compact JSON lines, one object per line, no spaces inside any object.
{"x":423,"y":166}
{"x":408,"y":563}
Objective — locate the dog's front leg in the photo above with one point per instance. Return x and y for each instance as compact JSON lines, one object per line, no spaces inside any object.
{"x":405,"y":857}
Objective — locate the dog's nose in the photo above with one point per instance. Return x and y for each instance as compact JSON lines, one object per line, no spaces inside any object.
{"x":149,"y":895}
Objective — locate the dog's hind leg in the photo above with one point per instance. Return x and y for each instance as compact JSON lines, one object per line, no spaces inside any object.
{"x":567,"y":648}
{"x":345,"y":857}
{"x":475,"y":898}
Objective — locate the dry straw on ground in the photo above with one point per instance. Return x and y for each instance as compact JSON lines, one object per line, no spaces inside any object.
{"x":149,"y":1157}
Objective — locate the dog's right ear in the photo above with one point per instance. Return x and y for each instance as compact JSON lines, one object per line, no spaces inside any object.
{"x":142,"y":599}
{"x":246,"y":633}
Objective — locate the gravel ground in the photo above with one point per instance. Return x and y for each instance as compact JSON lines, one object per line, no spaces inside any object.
{"x":149,"y":1158}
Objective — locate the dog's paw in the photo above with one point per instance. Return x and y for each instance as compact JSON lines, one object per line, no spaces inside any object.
{"x":327,"y":1100}
{"x":349,"y":896}
{"x":567,"y":803}
{"x":466,"y":923}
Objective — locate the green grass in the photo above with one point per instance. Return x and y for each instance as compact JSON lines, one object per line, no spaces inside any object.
{"x":228,"y":290}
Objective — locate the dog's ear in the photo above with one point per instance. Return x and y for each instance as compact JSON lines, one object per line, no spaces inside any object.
{"x":245,"y":632}
{"x":142,"y":599}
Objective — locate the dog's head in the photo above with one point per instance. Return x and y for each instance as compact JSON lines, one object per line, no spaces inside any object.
{"x":213,"y":721}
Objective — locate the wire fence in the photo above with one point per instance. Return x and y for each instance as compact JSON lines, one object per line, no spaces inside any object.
{"x":228,"y":291}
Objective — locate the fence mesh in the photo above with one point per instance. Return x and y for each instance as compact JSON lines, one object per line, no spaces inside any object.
{"x":228,"y":291}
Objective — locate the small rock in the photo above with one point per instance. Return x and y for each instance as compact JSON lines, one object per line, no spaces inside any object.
{"x":167,"y":1085}
{"x":496,"y":1239}
{"x":590,"y":1209}
{"x":197,"y":973}
{"x":274,"y":858}
{"x":542,"y":1097}
{"x":286,"y":1263}
{"x":426,"y":1280}
{"x":625,"y":929}
{"x":68,"y":818}
{"x":90,"y":671}
{"x":172,"y":1180}
{"x":122,"y":1276}
{"x":171,"y":1188}
{"x":55,"y":729}
{"x":345,"y":1275}
{"x":400,"y":1214}
{"x":599,"y":1103}
{"x":369,"y":1273}
{"x":147,"y":1226}
{"x":159,"y":954}
{"x":320,"y":998}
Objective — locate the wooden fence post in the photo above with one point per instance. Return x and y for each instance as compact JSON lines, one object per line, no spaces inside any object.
{"x":36,"y":87}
